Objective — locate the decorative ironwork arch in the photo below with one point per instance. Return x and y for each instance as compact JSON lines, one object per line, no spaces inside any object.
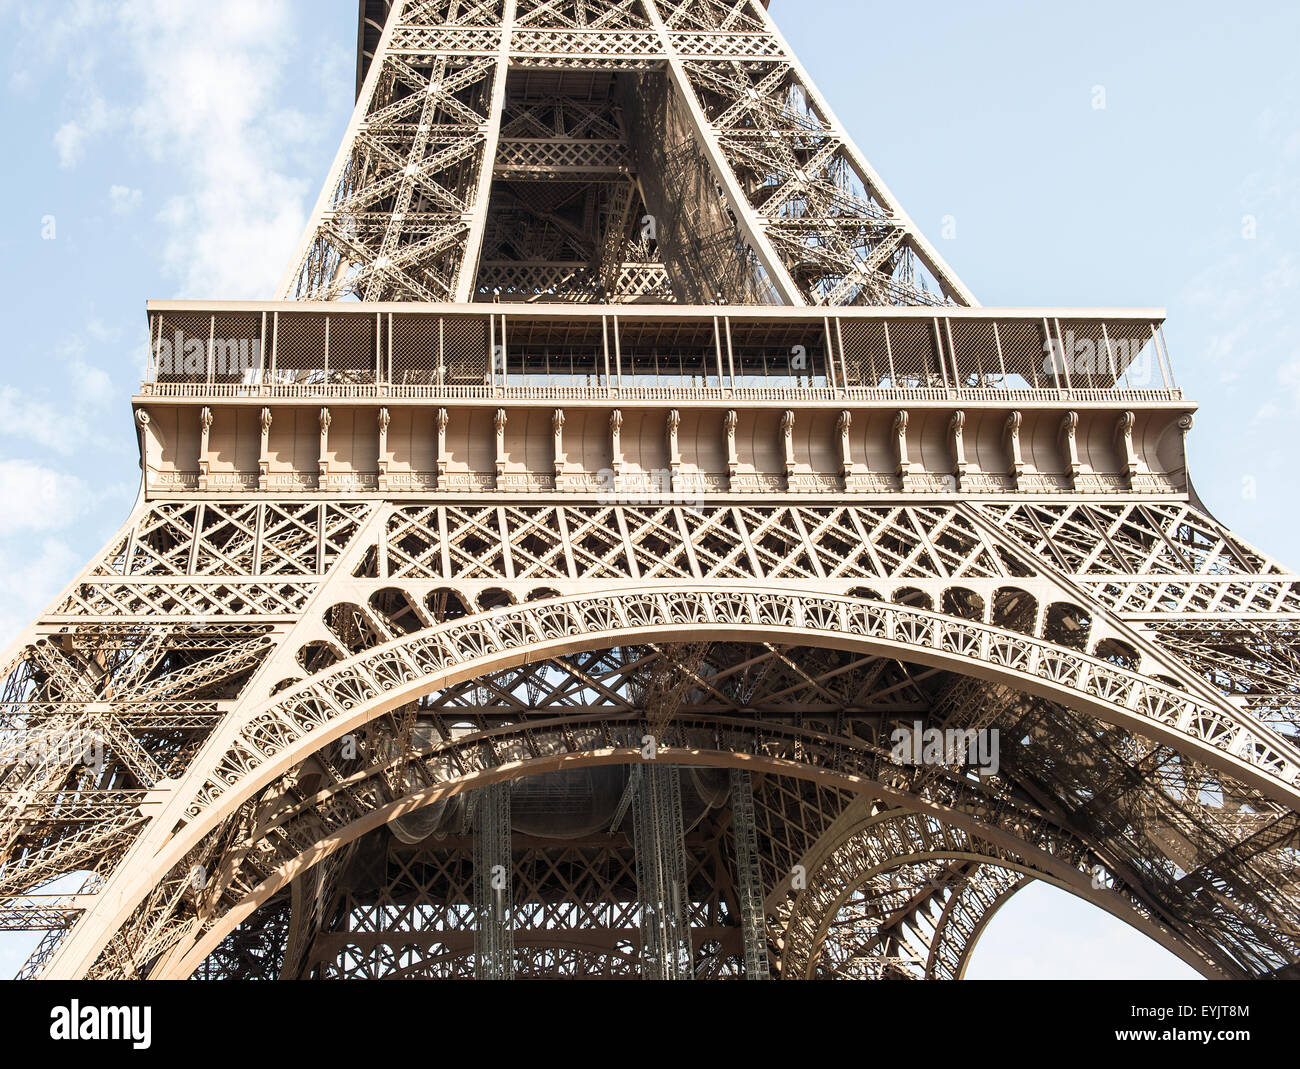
{"x":249,"y":755}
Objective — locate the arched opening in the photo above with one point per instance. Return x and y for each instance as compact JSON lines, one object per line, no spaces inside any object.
{"x":1046,"y":933}
{"x":1015,"y":610}
{"x":392,"y":880}
{"x":963,"y":603}
{"x":914,"y":599}
{"x":778,"y":728}
{"x":1118,"y":653}
{"x":494,"y":598}
{"x":1067,"y":625}
{"x":445,"y":604}
{"x":396,"y":610}
{"x":315,"y":657}
{"x":353,"y":628}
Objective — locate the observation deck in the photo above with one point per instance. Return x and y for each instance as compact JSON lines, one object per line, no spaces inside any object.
{"x":408,"y":398}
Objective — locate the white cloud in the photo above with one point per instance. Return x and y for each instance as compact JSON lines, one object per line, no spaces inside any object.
{"x":1265,"y":413}
{"x":54,"y":27}
{"x":124,"y":199}
{"x":103,"y":333}
{"x":38,"y":498}
{"x":71,"y":138}
{"x":32,"y":580}
{"x":1249,"y":292}
{"x":43,"y":510}
{"x":1289,"y":376}
{"x":34,"y":421}
{"x":336,"y":69}
{"x":211,"y":111}
{"x":74,"y":424}
{"x":205,"y":101}
{"x":91,"y":385}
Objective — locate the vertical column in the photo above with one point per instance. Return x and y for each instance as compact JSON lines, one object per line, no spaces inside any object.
{"x":494,"y":941}
{"x":842,"y":427}
{"x":557,"y":433}
{"x":787,"y":446}
{"x":499,"y":423}
{"x":659,"y":841}
{"x":205,"y":447}
{"x":149,"y":451}
{"x":904,"y":469}
{"x":749,"y":883}
{"x":957,"y":438}
{"x":385,"y":457}
{"x":1128,"y":455}
{"x":673,"y":427}
{"x":729,"y":422}
{"x":441,"y":421}
{"x":1017,"y":460}
{"x":616,"y":442}
{"x":323,"y":458}
{"x":264,"y":454}
{"x":1068,"y":436}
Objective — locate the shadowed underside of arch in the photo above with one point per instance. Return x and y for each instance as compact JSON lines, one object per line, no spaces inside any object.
{"x":933,"y":888}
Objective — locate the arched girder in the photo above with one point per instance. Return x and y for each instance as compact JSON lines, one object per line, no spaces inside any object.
{"x":966,"y":916}
{"x":385,"y":676}
{"x":282,"y":824}
{"x":551,"y":960}
{"x":279,"y":827}
{"x":897,"y":839}
{"x":908,"y":940}
{"x":244,"y":757}
{"x":967,"y":903}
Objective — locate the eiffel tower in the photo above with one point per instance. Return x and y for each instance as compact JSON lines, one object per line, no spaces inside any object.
{"x":626,"y":549}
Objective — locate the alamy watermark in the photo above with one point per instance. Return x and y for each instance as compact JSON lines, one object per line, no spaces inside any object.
{"x":194,"y":357}
{"x":639,"y":487}
{"x":115,"y":1023}
{"x":1074,"y":355}
{"x":977,"y":748}
{"x":64,"y":751}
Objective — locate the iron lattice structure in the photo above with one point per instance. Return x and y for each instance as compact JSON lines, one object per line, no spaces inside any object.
{"x":537,"y":588}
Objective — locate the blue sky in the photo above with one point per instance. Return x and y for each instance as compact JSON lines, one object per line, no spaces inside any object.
{"x":173,"y":148}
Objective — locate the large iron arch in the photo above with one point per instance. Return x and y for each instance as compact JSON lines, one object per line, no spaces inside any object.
{"x":248,"y":754}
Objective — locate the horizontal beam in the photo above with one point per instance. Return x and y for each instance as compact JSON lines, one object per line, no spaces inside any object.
{"x":755,"y":312}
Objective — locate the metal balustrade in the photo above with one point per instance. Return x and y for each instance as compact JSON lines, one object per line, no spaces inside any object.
{"x":274,"y":350}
